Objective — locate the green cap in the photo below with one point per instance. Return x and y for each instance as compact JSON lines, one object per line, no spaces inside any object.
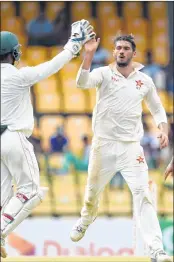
{"x":9,"y":44}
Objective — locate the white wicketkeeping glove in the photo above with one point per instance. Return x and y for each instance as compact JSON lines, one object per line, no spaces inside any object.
{"x":81,"y":32}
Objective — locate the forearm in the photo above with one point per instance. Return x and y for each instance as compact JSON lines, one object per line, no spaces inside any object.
{"x":156,"y":108}
{"x":86,"y":79}
{"x":82,"y":78}
{"x":37,"y":73}
{"x":163,"y":127}
{"x":87,"y":60}
{"x":159,"y":116}
{"x":54,"y":65}
{"x":83,"y":73}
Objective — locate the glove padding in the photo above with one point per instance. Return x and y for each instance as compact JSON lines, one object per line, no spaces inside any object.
{"x":81,"y":32}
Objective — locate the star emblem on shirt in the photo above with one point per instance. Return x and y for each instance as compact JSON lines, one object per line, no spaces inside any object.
{"x":140,"y":159}
{"x":139,"y":83}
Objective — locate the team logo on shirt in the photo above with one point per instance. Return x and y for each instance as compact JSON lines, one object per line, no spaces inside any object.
{"x":140,"y":159}
{"x":139,"y":83}
{"x":114,"y":79}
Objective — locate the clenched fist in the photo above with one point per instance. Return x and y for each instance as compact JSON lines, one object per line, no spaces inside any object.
{"x":163,"y":140}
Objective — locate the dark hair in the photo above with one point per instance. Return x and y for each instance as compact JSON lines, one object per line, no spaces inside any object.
{"x":128,"y":38}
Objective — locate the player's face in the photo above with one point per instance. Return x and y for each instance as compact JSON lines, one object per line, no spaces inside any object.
{"x":123,"y":53}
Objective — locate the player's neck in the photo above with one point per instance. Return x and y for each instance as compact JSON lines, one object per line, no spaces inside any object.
{"x":7,"y":61}
{"x":4,"y":62}
{"x":125,"y":71}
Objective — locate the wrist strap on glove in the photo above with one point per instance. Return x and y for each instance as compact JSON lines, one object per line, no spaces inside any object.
{"x":73,"y":47}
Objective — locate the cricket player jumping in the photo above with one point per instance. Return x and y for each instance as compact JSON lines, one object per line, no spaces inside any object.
{"x":18,"y":160}
{"x":117,"y":128}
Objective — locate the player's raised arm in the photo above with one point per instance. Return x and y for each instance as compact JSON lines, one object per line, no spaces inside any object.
{"x":85,"y":79}
{"x":81,"y":32}
{"x":157,"y":110}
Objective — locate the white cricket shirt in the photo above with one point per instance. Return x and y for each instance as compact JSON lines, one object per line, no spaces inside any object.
{"x":16,"y":107}
{"x":118,"y":111}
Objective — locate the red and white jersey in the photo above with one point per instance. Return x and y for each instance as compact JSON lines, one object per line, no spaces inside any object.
{"x":16,"y":107}
{"x":118,"y":111}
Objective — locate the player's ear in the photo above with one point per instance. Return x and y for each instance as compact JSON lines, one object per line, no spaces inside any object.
{"x":114,"y":53}
{"x":134,"y":54}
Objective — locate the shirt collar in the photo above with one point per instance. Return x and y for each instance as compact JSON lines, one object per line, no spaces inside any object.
{"x":137,"y":67}
{"x":6,"y":65}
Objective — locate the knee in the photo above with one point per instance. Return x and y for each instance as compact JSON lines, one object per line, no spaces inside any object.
{"x":89,"y":202}
{"x":28,"y":193}
{"x":90,"y":199}
{"x":42,"y":192}
{"x":142,"y":195}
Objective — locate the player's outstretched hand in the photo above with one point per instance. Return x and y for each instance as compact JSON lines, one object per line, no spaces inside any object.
{"x":163,"y":140}
{"x":92,"y":45}
{"x":81,"y":32}
{"x":169,"y":170}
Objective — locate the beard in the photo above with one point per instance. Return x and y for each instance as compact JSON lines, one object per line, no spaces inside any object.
{"x":124,"y":64}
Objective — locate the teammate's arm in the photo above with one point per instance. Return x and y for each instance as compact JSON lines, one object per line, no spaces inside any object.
{"x":85,"y":79}
{"x":157,"y":110}
{"x":34,"y":74}
{"x":81,"y":32}
{"x":90,"y":49}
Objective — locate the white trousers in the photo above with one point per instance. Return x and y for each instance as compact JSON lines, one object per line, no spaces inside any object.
{"x":18,"y":164}
{"x":108,"y":157}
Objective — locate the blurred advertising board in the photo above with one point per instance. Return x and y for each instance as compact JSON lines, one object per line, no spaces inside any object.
{"x":105,"y":237}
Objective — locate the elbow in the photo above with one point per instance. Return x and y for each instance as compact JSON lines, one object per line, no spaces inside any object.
{"x":79,"y":84}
